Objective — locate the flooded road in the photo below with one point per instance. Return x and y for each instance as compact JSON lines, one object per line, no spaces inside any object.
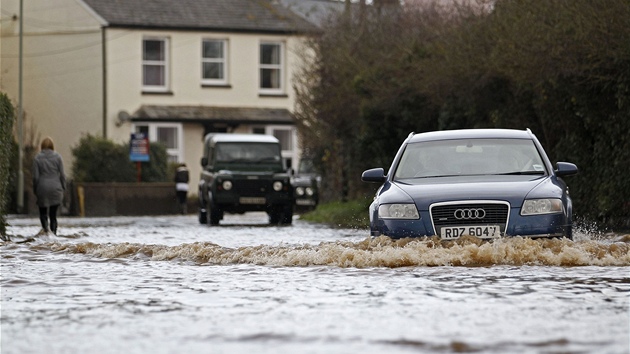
{"x":170,"y":285}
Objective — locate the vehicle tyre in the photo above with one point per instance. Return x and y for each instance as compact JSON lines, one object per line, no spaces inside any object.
{"x":287,"y":215}
{"x":275,"y":215}
{"x":203,"y":218}
{"x":213,"y":214}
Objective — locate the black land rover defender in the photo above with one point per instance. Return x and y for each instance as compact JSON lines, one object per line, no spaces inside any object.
{"x":241,"y":173}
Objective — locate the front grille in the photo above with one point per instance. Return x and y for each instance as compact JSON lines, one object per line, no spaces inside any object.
{"x":494,"y":213}
{"x":251,"y":187}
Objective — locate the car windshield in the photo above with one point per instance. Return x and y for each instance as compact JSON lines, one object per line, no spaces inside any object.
{"x":248,"y":152}
{"x":306,"y":166}
{"x":470,"y":157}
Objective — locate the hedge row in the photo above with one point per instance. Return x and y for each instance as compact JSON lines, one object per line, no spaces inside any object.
{"x":100,"y":160}
{"x":551,"y":66}
{"x":7,"y":117}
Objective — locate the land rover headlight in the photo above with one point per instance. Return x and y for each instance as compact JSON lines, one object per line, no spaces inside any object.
{"x":541,"y":206}
{"x":309,"y":191}
{"x":277,"y":186}
{"x":299,"y":191}
{"x":398,"y":211}
{"x":227,"y":185}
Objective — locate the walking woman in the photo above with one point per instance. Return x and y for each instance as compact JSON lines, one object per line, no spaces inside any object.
{"x":49,"y":183}
{"x":181,"y":187}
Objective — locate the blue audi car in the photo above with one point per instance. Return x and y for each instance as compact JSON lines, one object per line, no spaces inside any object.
{"x":488,"y":183}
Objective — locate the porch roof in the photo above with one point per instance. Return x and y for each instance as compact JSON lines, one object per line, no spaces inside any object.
{"x":212,"y":114}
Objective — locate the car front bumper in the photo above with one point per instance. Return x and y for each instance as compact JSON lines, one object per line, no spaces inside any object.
{"x":535,"y":226}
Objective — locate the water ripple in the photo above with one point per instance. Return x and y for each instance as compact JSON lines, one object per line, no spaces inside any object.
{"x":373,"y":252}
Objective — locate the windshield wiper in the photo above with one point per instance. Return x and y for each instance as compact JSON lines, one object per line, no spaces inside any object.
{"x":436,"y":176}
{"x":266,"y":159}
{"x":522,"y":173}
{"x":235,"y":161}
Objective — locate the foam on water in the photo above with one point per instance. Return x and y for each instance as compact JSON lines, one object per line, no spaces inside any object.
{"x":375,"y":252}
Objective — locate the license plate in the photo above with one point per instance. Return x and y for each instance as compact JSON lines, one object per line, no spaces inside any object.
{"x":481,"y":231}
{"x":252,"y":200}
{"x":304,"y":202}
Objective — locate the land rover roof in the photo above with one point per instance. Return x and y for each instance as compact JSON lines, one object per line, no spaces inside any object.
{"x":214,"y":138}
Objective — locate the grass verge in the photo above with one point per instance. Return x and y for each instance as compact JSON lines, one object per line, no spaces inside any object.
{"x":351,"y":214}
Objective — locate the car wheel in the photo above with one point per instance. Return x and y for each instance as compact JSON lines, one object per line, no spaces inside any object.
{"x":213,"y":215}
{"x":287,"y":215}
{"x":202,"y":216}
{"x":275,"y":215}
{"x":569,"y":233}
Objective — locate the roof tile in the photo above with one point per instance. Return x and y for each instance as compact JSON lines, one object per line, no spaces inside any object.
{"x":208,"y":15}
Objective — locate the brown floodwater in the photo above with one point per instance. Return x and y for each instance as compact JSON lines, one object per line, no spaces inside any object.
{"x":167,"y":284}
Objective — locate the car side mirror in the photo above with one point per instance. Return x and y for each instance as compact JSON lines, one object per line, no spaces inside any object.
{"x":566,"y":169}
{"x":375,"y":175}
{"x":204,"y":161}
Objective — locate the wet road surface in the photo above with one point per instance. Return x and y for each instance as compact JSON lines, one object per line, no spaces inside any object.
{"x":167,"y":284}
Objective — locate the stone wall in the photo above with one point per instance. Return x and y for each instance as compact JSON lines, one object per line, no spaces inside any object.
{"x":109,"y":199}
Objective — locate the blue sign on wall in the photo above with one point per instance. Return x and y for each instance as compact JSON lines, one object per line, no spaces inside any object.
{"x":139,"y":147}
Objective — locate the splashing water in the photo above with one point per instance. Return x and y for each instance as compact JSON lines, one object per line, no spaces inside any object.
{"x":374,"y":252}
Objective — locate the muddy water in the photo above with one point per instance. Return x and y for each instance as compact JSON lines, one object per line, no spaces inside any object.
{"x":170,"y":285}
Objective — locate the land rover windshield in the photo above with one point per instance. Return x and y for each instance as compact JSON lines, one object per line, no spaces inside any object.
{"x":248,"y":153}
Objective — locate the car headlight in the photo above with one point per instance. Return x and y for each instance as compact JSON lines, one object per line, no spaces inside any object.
{"x":299,"y":191}
{"x":541,"y":206}
{"x":277,"y":186}
{"x":227,"y":185}
{"x":398,"y":211}
{"x":309,"y":191}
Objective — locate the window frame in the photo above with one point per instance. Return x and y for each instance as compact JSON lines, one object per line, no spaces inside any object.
{"x":152,"y":131}
{"x":290,"y":154}
{"x":224,"y":60}
{"x":164,"y":63}
{"x":279,"y":66}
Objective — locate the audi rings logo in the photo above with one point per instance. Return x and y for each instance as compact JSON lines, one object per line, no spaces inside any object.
{"x":469,"y":214}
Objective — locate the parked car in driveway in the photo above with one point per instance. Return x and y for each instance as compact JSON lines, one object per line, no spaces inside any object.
{"x":487,"y":183}
{"x":242,"y":173}
{"x":306,"y":184}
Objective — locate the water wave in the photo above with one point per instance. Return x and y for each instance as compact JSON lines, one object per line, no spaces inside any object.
{"x":375,"y":252}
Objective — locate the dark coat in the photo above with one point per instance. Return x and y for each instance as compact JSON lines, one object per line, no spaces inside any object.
{"x":181,"y":176}
{"x":49,"y":180}
{"x":181,"y":179}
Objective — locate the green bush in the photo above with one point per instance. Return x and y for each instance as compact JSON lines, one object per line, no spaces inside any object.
{"x":7,"y":116}
{"x":100,"y":160}
{"x":156,"y":170}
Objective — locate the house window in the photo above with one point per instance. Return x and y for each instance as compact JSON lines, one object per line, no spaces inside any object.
{"x":213,"y":62}
{"x":271,"y":73}
{"x":155,"y":64}
{"x":169,"y":134}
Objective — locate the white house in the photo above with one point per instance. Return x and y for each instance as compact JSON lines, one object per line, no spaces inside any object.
{"x":173,"y":69}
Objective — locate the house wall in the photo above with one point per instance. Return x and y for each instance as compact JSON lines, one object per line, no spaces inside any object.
{"x":124,"y":81}
{"x":61,"y":71}
{"x":193,"y":150}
